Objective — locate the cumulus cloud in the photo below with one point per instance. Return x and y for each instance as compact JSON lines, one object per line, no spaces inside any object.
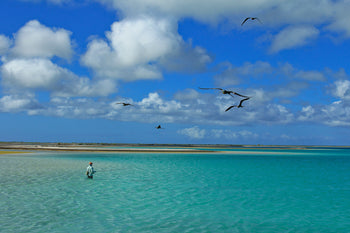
{"x":76,"y":108}
{"x":137,"y":48}
{"x":154,"y":109}
{"x":335,"y":114}
{"x":142,"y":46}
{"x":37,"y":40}
{"x":292,"y":37}
{"x":133,"y":44}
{"x":193,"y":132}
{"x":4,"y":44}
{"x":340,"y":22}
{"x":326,"y":15}
{"x":208,"y":12}
{"x":42,"y":74}
{"x":104,"y":62}
{"x":17,"y":103}
{"x":341,"y":89}
{"x":31,"y":73}
{"x":27,"y":66}
{"x":155,"y":102}
{"x":229,"y":134}
{"x":306,"y":113}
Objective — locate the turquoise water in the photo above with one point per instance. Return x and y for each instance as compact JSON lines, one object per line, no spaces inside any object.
{"x":303,"y":191}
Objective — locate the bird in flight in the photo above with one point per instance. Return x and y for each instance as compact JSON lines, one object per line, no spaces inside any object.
{"x":225,"y":92}
{"x":239,"y":105}
{"x":159,"y":127}
{"x":125,"y":104}
{"x":252,"y":18}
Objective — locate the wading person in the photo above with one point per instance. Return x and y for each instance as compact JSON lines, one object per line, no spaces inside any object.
{"x":90,"y":171}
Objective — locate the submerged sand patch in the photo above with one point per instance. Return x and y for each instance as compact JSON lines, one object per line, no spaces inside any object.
{"x":11,"y":152}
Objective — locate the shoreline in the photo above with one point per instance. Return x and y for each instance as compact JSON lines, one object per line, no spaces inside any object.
{"x":23,"y":147}
{"x":74,"y":148}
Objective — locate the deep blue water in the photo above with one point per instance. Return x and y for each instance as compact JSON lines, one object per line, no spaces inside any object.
{"x":275,"y":191}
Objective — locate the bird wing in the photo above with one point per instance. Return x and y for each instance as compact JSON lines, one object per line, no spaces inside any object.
{"x":240,"y":103}
{"x":245,"y":20}
{"x":240,"y":95}
{"x":124,"y":104}
{"x":258,"y":19}
{"x":230,"y":108}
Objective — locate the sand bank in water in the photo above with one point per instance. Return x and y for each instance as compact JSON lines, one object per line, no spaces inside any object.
{"x":20,"y":148}
{"x":101,"y":149}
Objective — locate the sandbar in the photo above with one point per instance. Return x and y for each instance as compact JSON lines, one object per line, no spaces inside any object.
{"x":20,"y":147}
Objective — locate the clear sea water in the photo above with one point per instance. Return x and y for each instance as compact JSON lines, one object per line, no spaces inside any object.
{"x":280,"y":191}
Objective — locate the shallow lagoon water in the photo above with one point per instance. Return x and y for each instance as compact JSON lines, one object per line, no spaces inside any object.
{"x":302,"y":191}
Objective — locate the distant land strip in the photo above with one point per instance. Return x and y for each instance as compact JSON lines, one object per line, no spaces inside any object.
{"x":94,"y":149}
{"x":146,"y":148}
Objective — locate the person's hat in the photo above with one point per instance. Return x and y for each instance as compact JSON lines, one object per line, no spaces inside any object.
{"x":90,"y":163}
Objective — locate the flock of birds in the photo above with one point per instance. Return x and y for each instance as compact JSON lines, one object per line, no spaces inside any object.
{"x":231,"y":93}
{"x":223,"y":91}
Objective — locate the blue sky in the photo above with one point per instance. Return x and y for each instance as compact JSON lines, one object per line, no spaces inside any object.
{"x":65,"y":64}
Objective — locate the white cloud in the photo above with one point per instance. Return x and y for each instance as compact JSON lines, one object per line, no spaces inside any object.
{"x":83,"y":108}
{"x":17,"y":103}
{"x":229,"y":134}
{"x":141,"y":40}
{"x":341,"y":89}
{"x":326,"y":14}
{"x":42,"y":74}
{"x":4,"y":44}
{"x":141,"y":47}
{"x":341,"y":17}
{"x":311,"y":75}
{"x":104,"y":62}
{"x":82,"y":86}
{"x":306,"y":113}
{"x":31,"y":73}
{"x":292,"y":37}
{"x":154,"y":101}
{"x":193,"y":132}
{"x":155,"y":109}
{"x":37,"y":40}
{"x":336,"y":113}
{"x":208,"y":12}
{"x":137,"y":48}
{"x":28,"y":66}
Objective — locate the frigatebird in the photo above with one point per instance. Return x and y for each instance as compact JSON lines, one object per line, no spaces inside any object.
{"x":225,"y":92}
{"x":125,"y":104}
{"x":239,"y":105}
{"x":252,"y":18}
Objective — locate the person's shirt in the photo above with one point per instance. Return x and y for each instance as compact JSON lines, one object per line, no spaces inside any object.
{"x":90,"y":170}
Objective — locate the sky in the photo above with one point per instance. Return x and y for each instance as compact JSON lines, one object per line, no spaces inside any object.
{"x":66,"y":65}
